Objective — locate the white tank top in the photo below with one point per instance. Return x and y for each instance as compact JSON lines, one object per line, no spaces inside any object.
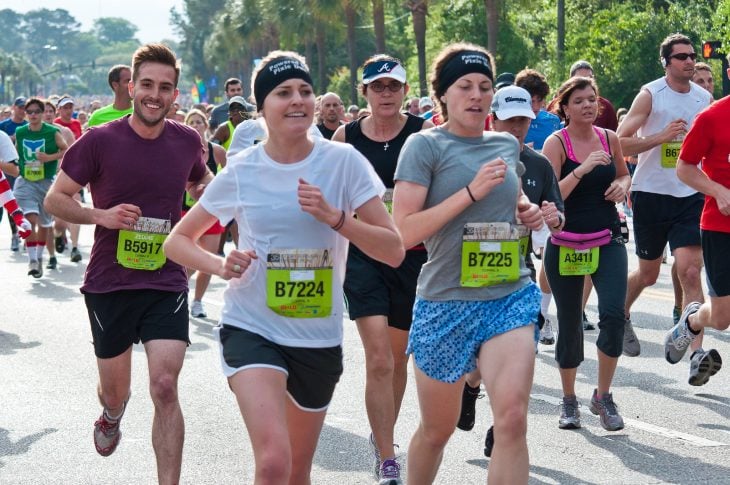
{"x":656,"y":172}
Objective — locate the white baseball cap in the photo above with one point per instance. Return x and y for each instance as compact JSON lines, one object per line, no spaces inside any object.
{"x":511,"y":101}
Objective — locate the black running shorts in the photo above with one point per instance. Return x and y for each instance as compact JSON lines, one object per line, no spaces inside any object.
{"x":715,"y":249}
{"x":374,"y":288}
{"x":121,"y":318}
{"x":312,"y":373}
{"x":660,"y":218}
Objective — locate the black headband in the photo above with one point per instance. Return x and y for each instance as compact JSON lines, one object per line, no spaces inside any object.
{"x":465,"y":62}
{"x":275,"y":72}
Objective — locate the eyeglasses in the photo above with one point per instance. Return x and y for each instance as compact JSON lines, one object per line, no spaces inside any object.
{"x":379,"y":87}
{"x":33,"y":111}
{"x":683,"y":56}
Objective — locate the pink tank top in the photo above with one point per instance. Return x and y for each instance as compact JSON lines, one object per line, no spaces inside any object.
{"x":569,"y":146}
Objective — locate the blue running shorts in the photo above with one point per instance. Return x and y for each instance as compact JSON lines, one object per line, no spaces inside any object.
{"x":446,"y":336}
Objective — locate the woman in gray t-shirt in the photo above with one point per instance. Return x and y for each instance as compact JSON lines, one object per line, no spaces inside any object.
{"x":458,"y":190}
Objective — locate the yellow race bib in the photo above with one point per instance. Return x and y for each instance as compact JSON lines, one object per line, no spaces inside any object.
{"x":299,"y":282}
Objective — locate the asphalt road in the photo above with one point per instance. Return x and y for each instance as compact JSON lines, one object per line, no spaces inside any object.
{"x":675,"y":433}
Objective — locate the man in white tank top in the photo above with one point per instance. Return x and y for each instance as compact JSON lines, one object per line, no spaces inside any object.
{"x":665,"y":208}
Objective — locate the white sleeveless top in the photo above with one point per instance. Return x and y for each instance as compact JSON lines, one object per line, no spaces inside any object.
{"x":666,"y":105}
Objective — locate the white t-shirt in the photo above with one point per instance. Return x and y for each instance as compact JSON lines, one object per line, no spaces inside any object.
{"x":250,"y":132}
{"x":261,"y":195}
{"x":7,"y":148}
{"x":667,"y":105}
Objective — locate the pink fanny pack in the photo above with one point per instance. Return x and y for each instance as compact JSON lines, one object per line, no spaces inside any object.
{"x":581,"y":241}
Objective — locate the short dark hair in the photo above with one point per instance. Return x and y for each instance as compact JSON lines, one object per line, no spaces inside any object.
{"x":32,"y":101}
{"x":533,"y":81}
{"x":581,"y":64}
{"x":158,"y":53}
{"x":115,"y":73}
{"x":231,"y":80}
{"x":665,"y":49}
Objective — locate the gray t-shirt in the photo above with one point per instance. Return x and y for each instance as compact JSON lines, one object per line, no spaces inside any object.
{"x":446,"y":163}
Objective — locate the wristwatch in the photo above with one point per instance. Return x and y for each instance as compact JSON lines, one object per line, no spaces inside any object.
{"x":560,"y":221}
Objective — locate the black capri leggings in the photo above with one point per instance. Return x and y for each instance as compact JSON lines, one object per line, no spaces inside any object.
{"x":610,"y":283}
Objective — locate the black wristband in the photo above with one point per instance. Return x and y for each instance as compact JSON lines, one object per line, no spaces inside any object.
{"x":468,"y":191}
{"x":560,"y":221}
{"x":340,"y":223}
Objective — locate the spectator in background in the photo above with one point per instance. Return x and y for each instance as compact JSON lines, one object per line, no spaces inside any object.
{"x":544,"y":123}
{"x":606,"y":113}
{"x":219,"y":115}
{"x":425,"y":107}
{"x":65,"y":111}
{"x":352,"y":111}
{"x":412,"y":106}
{"x":703,"y":78}
{"x":118,"y":79}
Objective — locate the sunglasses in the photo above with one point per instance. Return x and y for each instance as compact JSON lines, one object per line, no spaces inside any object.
{"x":379,"y":87}
{"x":33,"y":111}
{"x":683,"y":56}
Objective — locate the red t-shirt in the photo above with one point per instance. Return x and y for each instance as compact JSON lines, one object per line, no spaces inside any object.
{"x":708,"y":141}
{"x":73,"y":125}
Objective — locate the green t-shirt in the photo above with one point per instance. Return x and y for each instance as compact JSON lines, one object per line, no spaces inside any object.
{"x":106,"y":114}
{"x":29,"y":142}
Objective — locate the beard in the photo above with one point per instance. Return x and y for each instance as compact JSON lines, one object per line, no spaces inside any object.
{"x":149,"y":120}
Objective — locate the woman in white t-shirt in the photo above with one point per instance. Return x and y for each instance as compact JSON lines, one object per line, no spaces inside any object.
{"x":281,"y":326}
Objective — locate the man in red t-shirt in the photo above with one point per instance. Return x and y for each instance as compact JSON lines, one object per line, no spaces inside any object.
{"x":65,"y":108}
{"x":707,"y":142}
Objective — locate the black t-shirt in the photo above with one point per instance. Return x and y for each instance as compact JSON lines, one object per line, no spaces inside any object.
{"x":326,"y":132}
{"x":538,"y":181}
{"x":382,"y":155}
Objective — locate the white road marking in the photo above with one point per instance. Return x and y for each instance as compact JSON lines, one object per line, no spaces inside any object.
{"x":649,"y":428}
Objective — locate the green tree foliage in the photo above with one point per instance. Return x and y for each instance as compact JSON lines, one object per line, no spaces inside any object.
{"x":44,"y":52}
{"x":111,"y":30}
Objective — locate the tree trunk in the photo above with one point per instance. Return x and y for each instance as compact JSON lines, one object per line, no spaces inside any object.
{"x":492,"y":8}
{"x":419,"y":10}
{"x":350,"y":17}
{"x":561,"y":39}
{"x":321,"y":58}
{"x":379,"y":26}
{"x":308,"y":56}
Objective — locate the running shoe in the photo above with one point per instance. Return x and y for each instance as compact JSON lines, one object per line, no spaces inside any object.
{"x":604,"y":407}
{"x":703,"y":365}
{"x":569,"y":413}
{"x":389,"y":473}
{"x":587,"y":324}
{"x":197,"y":310}
{"x":468,"y":407}
{"x":107,"y":433}
{"x":34,"y":269}
{"x":489,"y":442}
{"x":60,"y":243}
{"x":15,"y":242}
{"x":75,"y":255}
{"x":376,"y":454}
{"x":52,"y":263}
{"x":676,"y":313}
{"x":547,"y":336}
{"x":632,"y":346}
{"x":679,"y":337}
